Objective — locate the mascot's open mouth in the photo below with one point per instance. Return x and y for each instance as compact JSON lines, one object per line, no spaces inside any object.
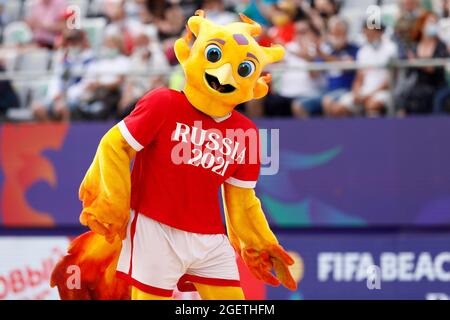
{"x":214,"y":83}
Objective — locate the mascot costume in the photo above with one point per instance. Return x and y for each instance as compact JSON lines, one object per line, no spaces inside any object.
{"x":160,"y":226}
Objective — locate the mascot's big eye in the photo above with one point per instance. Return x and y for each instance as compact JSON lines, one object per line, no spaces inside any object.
{"x":246,"y":68}
{"x":213,"y":53}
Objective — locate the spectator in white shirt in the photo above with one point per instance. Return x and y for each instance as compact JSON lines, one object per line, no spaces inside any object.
{"x":370,"y":93}
{"x":296,"y":82}
{"x":47,"y":20}
{"x":149,"y":69}
{"x":215,"y":11}
{"x":104,"y":80}
{"x":444,"y":23}
{"x":65,"y":88}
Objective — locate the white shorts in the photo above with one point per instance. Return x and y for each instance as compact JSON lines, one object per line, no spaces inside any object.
{"x":156,"y":258}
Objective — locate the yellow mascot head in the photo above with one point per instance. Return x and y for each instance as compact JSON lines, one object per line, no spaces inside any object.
{"x":223,"y":66}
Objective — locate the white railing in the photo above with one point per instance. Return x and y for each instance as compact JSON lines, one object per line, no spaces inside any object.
{"x":313,"y":66}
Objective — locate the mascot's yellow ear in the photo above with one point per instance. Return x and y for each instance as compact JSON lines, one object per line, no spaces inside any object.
{"x":261,"y":87}
{"x":274,"y":53}
{"x":253,"y":28}
{"x":181,"y":46}
{"x":198,"y":21}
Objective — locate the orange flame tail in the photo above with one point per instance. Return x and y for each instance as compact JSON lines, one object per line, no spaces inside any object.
{"x":87,"y":272}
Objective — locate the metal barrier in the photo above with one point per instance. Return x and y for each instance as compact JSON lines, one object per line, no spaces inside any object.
{"x":312,"y":66}
{"x":392,"y":66}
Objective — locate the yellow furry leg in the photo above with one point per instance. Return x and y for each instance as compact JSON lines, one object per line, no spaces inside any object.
{"x":208,"y":292}
{"x":137,"y":294}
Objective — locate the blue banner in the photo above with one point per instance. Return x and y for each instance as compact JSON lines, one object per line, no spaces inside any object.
{"x":367,"y":265}
{"x":356,"y":172}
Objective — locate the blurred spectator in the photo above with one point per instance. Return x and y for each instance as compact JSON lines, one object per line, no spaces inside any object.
{"x":2,"y":14}
{"x":261,"y":11}
{"x":424,"y":83}
{"x":215,"y":11}
{"x":296,"y":83}
{"x":132,"y":8}
{"x":104,"y":80}
{"x":287,"y":11}
{"x":65,"y":88}
{"x":168,"y":17}
{"x":283,"y":30}
{"x":322,"y":11}
{"x":339,"y":82}
{"x":120,"y":23}
{"x":148,"y":70}
{"x":47,"y":21}
{"x":370,"y":91}
{"x":138,"y":53}
{"x":406,"y":29}
{"x":444,"y":23}
{"x":441,"y":101}
{"x":8,"y":96}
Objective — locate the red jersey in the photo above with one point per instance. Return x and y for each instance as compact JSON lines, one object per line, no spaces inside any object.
{"x":184,"y":157}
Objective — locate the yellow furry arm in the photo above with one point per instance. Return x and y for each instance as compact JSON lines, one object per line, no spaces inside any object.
{"x":250,"y":235}
{"x":105,"y":190}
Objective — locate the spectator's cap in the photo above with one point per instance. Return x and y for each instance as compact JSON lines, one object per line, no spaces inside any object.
{"x":379,"y":26}
{"x":73,"y":35}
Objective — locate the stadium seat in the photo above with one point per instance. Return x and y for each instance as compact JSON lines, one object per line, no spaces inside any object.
{"x":389,"y":2}
{"x":17,"y":32}
{"x":12,"y":11}
{"x":359,"y":5}
{"x":38,"y":90}
{"x":34,"y":60}
{"x":94,"y":28}
{"x":9,"y":58}
{"x":27,"y":7}
{"x":28,"y":93}
{"x":19,"y":114}
{"x":22,"y":89}
{"x":94,"y":8}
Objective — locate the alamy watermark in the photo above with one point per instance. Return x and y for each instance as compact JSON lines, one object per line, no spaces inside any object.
{"x":74,"y":279}
{"x":217,"y":150}
{"x":73,"y":20}
{"x":373,"y":281}
{"x":373,"y":17}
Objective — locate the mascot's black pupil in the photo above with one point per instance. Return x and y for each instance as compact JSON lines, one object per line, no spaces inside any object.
{"x":244,"y":69}
{"x":213,"y":55}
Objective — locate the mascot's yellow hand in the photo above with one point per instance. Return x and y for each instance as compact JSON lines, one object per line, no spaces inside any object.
{"x":250,"y":235}
{"x":109,"y":231}
{"x":105,"y":190}
{"x":261,"y":262}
